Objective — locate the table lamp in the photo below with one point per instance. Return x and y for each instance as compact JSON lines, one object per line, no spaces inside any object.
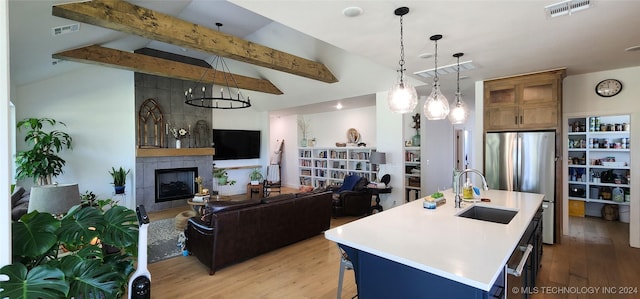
{"x":55,"y":199}
{"x":378,"y":158}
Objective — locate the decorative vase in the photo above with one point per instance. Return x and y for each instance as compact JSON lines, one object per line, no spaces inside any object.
{"x":303,"y":142}
{"x":119,"y":189}
{"x":178,"y":143}
{"x":415,"y":140}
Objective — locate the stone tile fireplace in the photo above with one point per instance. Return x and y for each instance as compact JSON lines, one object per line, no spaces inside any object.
{"x":176,"y":172}
{"x":175,"y":183}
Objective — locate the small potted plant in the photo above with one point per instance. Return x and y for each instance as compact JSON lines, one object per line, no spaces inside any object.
{"x":221,"y":175}
{"x":119,"y":178}
{"x":255,"y":176}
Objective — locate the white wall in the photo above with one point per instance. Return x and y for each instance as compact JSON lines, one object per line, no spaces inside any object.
{"x":331,"y":127}
{"x":389,"y":127}
{"x":579,"y":98}
{"x":243,"y":119}
{"x":5,"y":142}
{"x":285,"y":128}
{"x":97,"y":105}
{"x":327,"y":127}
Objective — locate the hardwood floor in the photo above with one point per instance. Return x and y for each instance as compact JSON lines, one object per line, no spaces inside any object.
{"x":596,"y":253}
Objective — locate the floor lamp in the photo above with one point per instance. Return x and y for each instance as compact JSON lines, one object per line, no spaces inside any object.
{"x":55,"y":199}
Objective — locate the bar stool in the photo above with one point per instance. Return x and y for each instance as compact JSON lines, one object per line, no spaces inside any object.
{"x":345,"y":263}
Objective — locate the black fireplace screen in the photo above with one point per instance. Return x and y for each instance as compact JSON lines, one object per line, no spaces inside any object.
{"x":175,"y":183}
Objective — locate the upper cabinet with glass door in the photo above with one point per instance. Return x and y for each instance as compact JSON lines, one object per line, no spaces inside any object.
{"x":526,"y":102}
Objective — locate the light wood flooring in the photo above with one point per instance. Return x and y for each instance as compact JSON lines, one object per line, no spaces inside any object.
{"x":596,"y":253}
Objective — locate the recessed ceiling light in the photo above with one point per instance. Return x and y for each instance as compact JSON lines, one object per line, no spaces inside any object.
{"x":425,"y":55}
{"x":339,"y":106}
{"x":352,"y":11}
{"x":632,"y":49}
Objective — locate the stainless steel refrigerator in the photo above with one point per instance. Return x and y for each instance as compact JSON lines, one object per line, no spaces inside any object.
{"x":525,"y":162}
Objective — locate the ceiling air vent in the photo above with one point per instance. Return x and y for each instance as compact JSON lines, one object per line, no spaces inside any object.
{"x":447,"y":69}
{"x":55,"y":31}
{"x":566,"y":7}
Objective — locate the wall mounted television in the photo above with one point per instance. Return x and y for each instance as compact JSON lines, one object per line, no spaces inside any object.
{"x":236,"y":144}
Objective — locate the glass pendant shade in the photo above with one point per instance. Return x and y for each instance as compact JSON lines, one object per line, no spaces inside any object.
{"x":436,"y":106}
{"x":459,"y":113}
{"x":402,"y":98}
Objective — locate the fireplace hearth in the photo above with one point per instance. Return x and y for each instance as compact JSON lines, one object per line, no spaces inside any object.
{"x":175,"y":183}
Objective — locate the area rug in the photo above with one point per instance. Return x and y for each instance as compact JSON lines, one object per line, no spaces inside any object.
{"x":163,"y":240}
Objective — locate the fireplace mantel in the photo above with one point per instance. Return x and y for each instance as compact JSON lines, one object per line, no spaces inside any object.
{"x":174,"y":152}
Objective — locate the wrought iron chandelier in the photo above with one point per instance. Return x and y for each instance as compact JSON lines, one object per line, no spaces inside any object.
{"x":230,"y":96}
{"x":402,"y":97}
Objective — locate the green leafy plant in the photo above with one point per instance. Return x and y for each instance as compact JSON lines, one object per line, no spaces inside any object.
{"x":222,"y":176}
{"x":66,"y":258}
{"x":119,"y":176}
{"x":89,"y":199}
{"x":41,"y":162}
{"x":256,"y":174}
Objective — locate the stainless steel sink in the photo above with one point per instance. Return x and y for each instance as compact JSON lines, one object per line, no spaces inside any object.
{"x":485,"y":213}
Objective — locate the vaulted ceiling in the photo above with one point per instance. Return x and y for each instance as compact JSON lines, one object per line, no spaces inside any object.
{"x":502,"y":38}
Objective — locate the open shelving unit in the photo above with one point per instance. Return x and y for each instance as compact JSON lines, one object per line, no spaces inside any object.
{"x":412,"y":173}
{"x":598,"y":163}
{"x":328,"y":166}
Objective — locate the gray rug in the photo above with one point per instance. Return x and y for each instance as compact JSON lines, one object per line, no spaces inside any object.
{"x":162,"y":240}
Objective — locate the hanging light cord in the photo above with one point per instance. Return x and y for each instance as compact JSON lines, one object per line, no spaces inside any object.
{"x":458,"y":79}
{"x":401,"y":62}
{"x":435,"y":79}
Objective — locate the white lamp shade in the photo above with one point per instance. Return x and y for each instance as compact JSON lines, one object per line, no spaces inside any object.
{"x":402,"y":98}
{"x":54,"y":199}
{"x":378,"y":158}
{"x":436,"y":106}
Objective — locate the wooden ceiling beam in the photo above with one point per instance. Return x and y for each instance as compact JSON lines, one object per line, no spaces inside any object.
{"x":126,"y":17}
{"x":98,"y":55}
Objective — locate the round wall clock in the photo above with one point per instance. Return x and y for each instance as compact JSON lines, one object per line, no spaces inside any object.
{"x":608,"y":87}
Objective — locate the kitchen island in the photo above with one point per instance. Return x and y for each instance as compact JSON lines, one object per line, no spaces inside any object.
{"x":412,"y":252}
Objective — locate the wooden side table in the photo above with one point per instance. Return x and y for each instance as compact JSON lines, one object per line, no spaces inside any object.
{"x":197,"y":206}
{"x":255,"y":190}
{"x":376,"y":192}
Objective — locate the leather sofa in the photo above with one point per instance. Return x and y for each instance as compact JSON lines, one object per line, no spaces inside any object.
{"x":351,"y":198}
{"x":19,"y":202}
{"x":234,"y":231}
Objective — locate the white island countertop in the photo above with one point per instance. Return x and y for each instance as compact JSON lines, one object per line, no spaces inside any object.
{"x":469,"y":251}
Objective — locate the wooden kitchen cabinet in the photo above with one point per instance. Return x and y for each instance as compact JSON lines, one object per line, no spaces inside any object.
{"x":525,"y":102}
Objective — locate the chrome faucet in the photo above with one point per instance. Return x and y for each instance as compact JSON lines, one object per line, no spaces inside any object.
{"x":458,"y":199}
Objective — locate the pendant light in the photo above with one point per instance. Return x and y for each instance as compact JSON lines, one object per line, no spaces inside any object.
{"x":436,"y":106}
{"x":402,"y":97}
{"x":459,"y":113}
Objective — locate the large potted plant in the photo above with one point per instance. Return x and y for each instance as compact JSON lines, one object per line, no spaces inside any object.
{"x":119,"y":178}
{"x":65,"y":258}
{"x":41,"y":162}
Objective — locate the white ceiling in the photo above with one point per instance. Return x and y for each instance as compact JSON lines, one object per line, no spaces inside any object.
{"x":501,"y":37}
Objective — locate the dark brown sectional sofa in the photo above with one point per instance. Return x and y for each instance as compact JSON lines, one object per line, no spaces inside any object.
{"x":234,"y":231}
